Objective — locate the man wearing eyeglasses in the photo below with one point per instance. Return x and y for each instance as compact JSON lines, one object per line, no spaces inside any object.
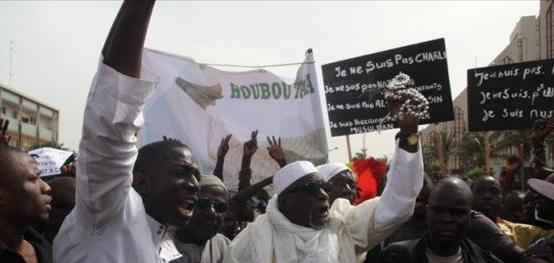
{"x":301,"y":226}
{"x":339,"y":181}
{"x":199,"y":241}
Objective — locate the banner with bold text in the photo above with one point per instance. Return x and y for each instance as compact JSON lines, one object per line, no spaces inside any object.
{"x":200,"y":105}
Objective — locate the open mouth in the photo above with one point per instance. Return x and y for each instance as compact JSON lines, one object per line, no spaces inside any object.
{"x":322,"y":212}
{"x":186,"y":207}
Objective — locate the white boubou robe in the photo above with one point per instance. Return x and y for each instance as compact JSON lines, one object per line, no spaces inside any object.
{"x":350,"y":233}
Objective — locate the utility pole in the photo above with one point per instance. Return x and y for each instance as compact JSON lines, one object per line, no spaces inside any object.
{"x":349,"y":148}
{"x":10,"y":74}
{"x":487,"y":147}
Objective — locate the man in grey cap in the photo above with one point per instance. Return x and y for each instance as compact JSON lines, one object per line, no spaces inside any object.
{"x":300,"y":226}
{"x":199,"y":241}
{"x":340,"y":181}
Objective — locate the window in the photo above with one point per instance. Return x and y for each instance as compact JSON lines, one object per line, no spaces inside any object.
{"x":508,"y":60}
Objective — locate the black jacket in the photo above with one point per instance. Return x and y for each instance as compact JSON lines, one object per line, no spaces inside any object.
{"x":414,"y":251}
{"x":42,"y":248}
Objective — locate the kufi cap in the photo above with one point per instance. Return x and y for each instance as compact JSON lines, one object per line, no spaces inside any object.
{"x":211,"y":180}
{"x":542,"y":187}
{"x":291,"y":173}
{"x":328,"y":170}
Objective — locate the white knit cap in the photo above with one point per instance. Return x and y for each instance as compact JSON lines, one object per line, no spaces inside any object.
{"x":211,"y":180}
{"x":328,"y":170}
{"x":290,"y":173}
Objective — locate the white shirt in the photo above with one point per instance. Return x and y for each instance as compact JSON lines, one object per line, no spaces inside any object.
{"x":351,"y":232}
{"x":434,"y":258}
{"x":212,"y":252}
{"x":109,"y":222}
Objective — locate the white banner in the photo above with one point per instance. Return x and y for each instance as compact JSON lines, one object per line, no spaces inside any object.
{"x":200,"y":105}
{"x":49,"y":160}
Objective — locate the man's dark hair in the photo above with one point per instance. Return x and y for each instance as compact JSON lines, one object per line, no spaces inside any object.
{"x":481,"y":178}
{"x":155,"y":151}
{"x":7,"y":155}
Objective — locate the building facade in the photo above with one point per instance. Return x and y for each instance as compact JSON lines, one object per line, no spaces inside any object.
{"x":31,"y":122}
{"x":531,"y":39}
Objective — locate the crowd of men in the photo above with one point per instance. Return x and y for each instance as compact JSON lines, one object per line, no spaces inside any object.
{"x":119,"y":204}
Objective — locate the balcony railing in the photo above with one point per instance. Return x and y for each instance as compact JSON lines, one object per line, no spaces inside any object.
{"x":29,"y":129}
{"x":45,"y":134}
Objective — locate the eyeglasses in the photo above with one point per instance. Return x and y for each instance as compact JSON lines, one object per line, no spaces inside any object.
{"x":330,"y":185}
{"x":309,"y":188}
{"x":205,"y":203}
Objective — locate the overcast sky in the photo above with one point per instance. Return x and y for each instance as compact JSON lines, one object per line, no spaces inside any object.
{"x":57,"y":44}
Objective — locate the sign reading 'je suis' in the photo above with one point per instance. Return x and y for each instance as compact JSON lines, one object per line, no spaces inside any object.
{"x":510,"y":97}
{"x":355,"y":103}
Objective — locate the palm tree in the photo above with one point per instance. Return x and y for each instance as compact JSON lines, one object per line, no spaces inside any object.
{"x":361,"y":155}
{"x":471,"y":151}
{"x":438,"y":154}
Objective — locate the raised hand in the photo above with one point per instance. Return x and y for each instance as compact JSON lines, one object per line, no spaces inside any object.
{"x":69,"y":170}
{"x":223,"y":147}
{"x":251,"y":146}
{"x":408,"y":124}
{"x":407,"y":105}
{"x":123,"y":48}
{"x":4,"y":135}
{"x":276,"y":151}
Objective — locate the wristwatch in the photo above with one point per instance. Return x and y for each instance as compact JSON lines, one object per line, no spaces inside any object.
{"x":411,"y":139}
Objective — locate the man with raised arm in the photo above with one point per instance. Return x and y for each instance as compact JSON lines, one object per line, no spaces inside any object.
{"x":300,"y":226}
{"x":125,"y":199}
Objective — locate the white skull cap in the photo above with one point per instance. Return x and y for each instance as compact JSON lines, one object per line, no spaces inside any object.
{"x":328,"y":170}
{"x":291,"y":173}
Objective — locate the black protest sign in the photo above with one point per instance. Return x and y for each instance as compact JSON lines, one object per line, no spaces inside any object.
{"x":355,"y":103}
{"x":510,"y":97}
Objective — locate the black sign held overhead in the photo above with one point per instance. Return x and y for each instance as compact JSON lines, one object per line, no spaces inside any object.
{"x":353,"y":87}
{"x":510,"y":97}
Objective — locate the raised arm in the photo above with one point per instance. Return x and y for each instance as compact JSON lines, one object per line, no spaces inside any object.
{"x":404,"y":179}
{"x":123,"y":48}
{"x":221,"y":152}
{"x":113,"y":115}
{"x":247,"y":193}
{"x":373,"y":220}
{"x":249,"y":149}
{"x":276,"y":151}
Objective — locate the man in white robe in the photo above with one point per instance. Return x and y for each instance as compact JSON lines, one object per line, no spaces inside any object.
{"x":299,"y":226}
